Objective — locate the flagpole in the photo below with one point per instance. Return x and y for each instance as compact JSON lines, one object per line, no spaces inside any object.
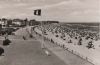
{"x":43,"y":44}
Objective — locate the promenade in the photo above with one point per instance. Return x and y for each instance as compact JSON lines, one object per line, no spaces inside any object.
{"x":27,"y":52}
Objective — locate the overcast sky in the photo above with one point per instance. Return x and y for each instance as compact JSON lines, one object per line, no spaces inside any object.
{"x":61,"y":10}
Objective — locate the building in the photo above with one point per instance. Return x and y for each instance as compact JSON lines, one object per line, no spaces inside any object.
{"x":19,"y":22}
{"x":33,"y":22}
{"x":3,"y":22}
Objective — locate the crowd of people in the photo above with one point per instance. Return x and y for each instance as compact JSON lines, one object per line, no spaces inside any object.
{"x":68,"y":34}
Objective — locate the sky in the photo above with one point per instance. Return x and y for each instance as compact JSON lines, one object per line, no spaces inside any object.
{"x":59,"y":10}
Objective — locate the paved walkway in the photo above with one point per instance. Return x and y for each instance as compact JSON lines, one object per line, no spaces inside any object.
{"x":27,"y":52}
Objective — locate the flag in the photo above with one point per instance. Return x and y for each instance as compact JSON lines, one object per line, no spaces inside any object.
{"x":37,"y":12}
